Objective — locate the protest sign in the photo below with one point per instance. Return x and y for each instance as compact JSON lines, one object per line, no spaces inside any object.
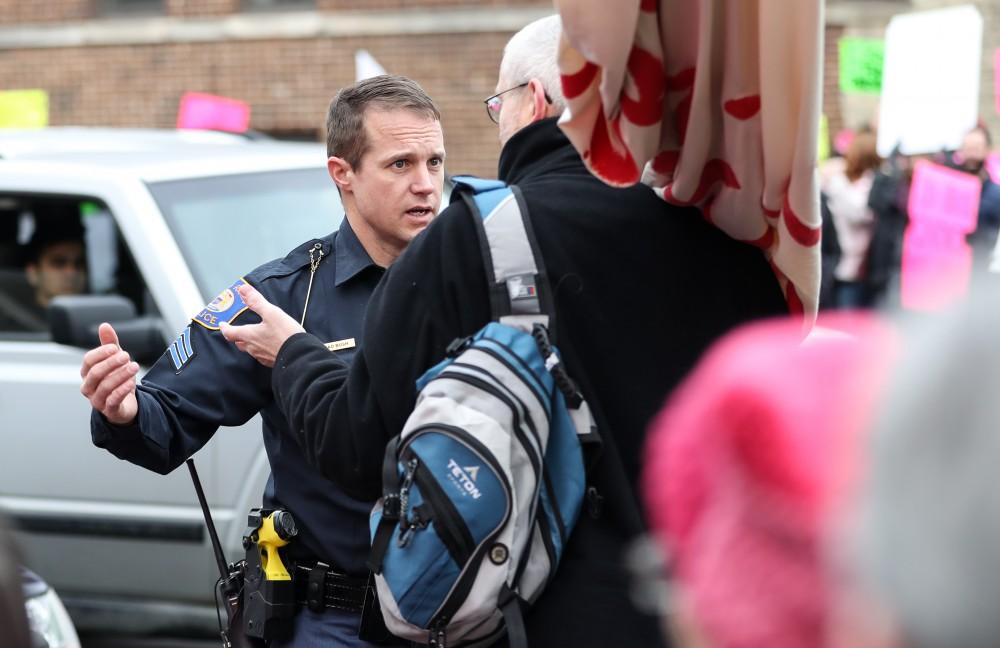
{"x":944,"y":197}
{"x":937,"y":267}
{"x":199,"y":110}
{"x":24,"y":109}
{"x":937,"y":262}
{"x":930,"y":80}
{"x":861,"y":62}
{"x":824,"y":139}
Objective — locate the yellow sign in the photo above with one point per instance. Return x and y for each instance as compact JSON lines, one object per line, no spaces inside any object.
{"x":24,"y":109}
{"x":824,"y":138}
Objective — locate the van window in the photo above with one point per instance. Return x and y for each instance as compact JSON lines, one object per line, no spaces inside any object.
{"x":59,"y":245}
{"x":227,"y":225}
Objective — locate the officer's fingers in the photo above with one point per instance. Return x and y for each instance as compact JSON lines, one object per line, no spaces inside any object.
{"x":94,"y":356}
{"x":235,"y":333}
{"x":99,"y":372}
{"x":253,"y":299}
{"x":121,"y":379}
{"x":119,"y":394}
{"x":107,"y":334}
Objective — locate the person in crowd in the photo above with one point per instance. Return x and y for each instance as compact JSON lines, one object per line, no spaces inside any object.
{"x":888,"y":200}
{"x":386,"y":156}
{"x":971,"y":158}
{"x":641,"y":288}
{"x":747,"y":465}
{"x":847,"y":194}
{"x":829,"y":257}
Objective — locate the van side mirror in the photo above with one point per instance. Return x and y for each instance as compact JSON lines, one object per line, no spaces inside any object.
{"x":73,"y":320}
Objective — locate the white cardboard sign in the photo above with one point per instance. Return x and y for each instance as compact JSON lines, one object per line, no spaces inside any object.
{"x":930,"y":80}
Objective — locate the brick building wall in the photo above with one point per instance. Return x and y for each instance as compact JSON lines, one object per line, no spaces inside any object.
{"x":15,"y":12}
{"x":287,"y":81}
{"x":200,"y":8}
{"x":831,"y":79}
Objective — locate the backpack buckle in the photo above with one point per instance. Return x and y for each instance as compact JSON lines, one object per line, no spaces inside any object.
{"x":457,"y":345}
{"x":392,"y":507}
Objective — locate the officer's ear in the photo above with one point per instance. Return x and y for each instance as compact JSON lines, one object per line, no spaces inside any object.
{"x":340,"y":172}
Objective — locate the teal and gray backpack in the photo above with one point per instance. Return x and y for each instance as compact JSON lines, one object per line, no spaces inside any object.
{"x":485,"y":482}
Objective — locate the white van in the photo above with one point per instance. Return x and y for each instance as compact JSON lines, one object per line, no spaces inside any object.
{"x":170,"y":218}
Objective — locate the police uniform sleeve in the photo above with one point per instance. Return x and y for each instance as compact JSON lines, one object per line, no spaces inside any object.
{"x":343,"y":416}
{"x":200,"y":383}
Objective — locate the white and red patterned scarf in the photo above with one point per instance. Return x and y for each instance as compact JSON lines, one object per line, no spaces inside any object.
{"x":714,"y":103}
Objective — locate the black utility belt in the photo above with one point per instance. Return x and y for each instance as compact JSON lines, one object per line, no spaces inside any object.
{"x":318,"y":587}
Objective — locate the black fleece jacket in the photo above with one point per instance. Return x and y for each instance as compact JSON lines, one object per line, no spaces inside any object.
{"x":641,"y":289}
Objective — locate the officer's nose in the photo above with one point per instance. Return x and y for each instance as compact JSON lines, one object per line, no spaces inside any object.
{"x":422,"y":181}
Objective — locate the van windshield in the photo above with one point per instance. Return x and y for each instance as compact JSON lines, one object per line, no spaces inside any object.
{"x":228,"y":225}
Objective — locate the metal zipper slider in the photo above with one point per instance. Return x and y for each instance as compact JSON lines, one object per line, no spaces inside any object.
{"x":437,"y":636}
{"x":313,"y":264}
{"x":404,"y":489}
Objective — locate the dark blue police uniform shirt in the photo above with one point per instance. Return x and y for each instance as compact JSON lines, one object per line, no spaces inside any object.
{"x":202,"y":382}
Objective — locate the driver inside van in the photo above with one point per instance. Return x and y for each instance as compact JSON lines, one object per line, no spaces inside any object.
{"x":55,"y":264}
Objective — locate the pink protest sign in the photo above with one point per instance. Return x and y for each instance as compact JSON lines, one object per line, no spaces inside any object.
{"x":937,"y":265}
{"x":945,"y":197}
{"x":843,"y":140}
{"x":199,"y":110}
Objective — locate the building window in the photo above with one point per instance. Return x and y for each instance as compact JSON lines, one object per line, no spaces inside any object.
{"x":277,"y":5}
{"x":131,"y":7}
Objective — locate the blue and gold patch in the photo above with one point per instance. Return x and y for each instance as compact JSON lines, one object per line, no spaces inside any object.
{"x":181,"y":350}
{"x":223,"y":308}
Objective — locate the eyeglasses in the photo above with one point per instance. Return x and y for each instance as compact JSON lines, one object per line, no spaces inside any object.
{"x":495,"y":103}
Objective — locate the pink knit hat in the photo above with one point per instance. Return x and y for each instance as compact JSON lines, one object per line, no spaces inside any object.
{"x":744,"y":467}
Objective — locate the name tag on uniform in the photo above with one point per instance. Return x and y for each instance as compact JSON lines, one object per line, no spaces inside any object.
{"x":340,"y":345}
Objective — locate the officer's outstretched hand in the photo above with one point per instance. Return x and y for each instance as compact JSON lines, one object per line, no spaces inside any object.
{"x":264,"y":340}
{"x":109,"y":379}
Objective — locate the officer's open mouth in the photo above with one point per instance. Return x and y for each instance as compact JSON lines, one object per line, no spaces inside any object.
{"x":419,"y":212}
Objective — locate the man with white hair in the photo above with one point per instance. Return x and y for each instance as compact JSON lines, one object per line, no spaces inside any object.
{"x":640,"y":289}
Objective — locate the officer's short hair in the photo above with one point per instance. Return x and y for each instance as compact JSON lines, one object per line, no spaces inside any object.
{"x":345,"y":120}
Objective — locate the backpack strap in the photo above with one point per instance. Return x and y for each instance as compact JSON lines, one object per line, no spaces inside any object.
{"x":519,"y":289}
{"x":391,"y":507}
{"x":519,"y":292}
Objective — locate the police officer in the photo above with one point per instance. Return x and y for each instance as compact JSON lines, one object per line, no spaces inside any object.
{"x":386,"y":155}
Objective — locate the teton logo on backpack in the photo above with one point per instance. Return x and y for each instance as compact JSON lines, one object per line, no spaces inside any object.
{"x":485,"y":482}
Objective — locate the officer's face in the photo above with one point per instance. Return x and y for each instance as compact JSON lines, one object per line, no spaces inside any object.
{"x":395,"y":191}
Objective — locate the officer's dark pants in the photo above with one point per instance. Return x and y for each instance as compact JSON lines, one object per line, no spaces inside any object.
{"x":329,"y":629}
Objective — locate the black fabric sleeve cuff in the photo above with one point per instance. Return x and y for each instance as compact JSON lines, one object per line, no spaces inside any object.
{"x":103,"y":431}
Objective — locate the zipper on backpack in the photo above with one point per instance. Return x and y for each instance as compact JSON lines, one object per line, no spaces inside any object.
{"x":404,"y":496}
{"x":445,"y":516}
{"x":436,"y":636}
{"x":466,"y":578}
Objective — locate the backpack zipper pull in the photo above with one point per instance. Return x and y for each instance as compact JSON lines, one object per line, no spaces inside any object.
{"x":437,"y":636}
{"x":405,"y":530}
